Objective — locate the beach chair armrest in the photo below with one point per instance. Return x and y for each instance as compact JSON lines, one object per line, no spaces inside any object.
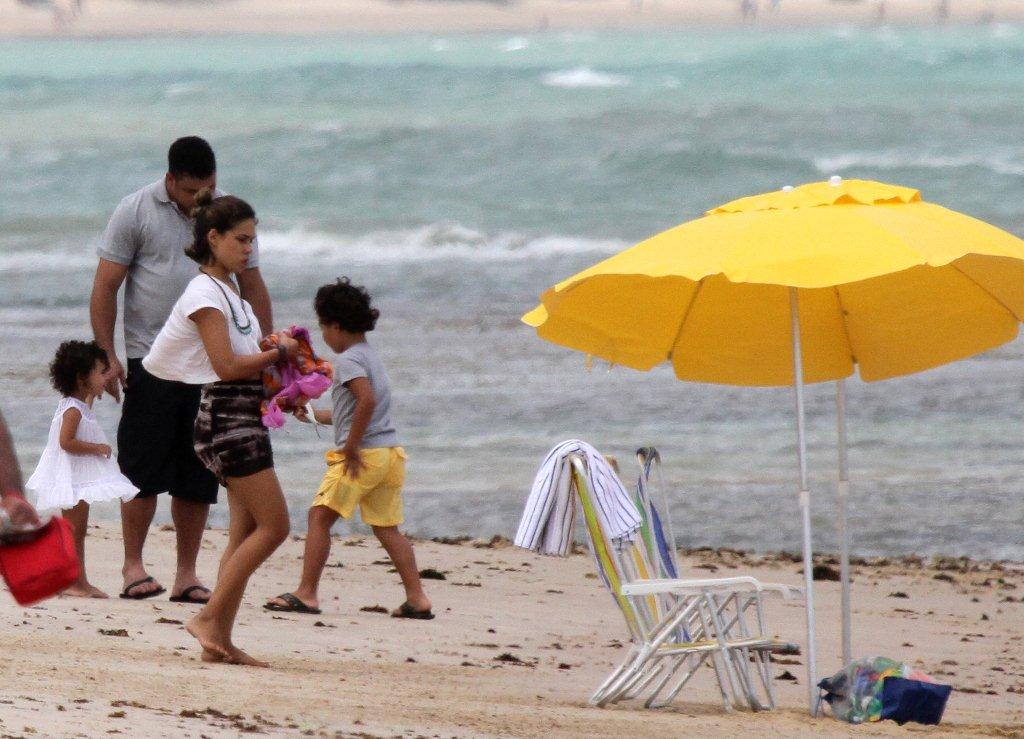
{"x":740,"y":583}
{"x":655,"y":587}
{"x":787,"y":592}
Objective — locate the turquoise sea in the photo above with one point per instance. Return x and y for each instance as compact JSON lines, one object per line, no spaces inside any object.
{"x":458,"y":176}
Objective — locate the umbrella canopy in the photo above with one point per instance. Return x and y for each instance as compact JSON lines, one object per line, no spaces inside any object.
{"x":875,"y":267}
{"x":800,"y":286}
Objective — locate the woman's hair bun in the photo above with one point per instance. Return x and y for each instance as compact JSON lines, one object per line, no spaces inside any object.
{"x":203,"y":198}
{"x":218,"y":214}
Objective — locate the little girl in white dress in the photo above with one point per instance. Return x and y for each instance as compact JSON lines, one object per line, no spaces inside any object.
{"x":77,"y":467}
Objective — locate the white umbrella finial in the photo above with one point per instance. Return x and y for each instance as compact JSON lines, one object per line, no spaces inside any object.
{"x":787,"y":188}
{"x":835,"y":180}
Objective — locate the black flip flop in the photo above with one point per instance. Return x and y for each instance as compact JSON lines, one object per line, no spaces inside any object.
{"x":294,"y":605}
{"x":407,"y":611}
{"x":185,"y":595}
{"x":127,"y":595}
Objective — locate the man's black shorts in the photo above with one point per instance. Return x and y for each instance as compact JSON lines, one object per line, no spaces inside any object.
{"x":154,"y":438}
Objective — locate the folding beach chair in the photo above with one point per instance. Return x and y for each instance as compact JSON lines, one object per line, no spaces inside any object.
{"x":735,"y":610}
{"x":676,"y":625}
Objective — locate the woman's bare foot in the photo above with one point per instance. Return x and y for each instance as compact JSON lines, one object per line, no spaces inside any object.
{"x":83,"y":590}
{"x":206,"y":634}
{"x":238,"y":657}
{"x":208,"y":656}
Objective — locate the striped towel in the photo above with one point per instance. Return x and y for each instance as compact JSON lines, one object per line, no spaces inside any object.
{"x":547,"y":522}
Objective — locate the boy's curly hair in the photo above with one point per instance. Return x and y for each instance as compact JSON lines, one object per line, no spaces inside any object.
{"x":347,"y":305}
{"x":73,"y":362}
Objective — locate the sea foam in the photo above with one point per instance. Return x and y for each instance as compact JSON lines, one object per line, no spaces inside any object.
{"x":1003,"y":164}
{"x":583,"y":77}
{"x":434,"y":242}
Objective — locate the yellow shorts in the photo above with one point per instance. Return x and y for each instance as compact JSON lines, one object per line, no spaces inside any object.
{"x":377,"y":491}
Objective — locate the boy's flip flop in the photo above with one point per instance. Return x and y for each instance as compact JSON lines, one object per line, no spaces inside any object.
{"x":185,"y":596}
{"x":407,"y":611}
{"x":294,"y":605}
{"x":128,"y":595}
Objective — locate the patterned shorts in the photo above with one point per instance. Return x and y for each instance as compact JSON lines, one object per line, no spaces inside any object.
{"x":229,"y":437}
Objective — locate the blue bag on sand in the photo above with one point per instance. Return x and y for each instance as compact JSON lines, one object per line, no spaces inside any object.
{"x":906,"y":700}
{"x":876,"y":688}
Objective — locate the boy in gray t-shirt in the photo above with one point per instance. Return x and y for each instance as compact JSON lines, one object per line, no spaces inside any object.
{"x":368,"y":467}
{"x":362,"y":360}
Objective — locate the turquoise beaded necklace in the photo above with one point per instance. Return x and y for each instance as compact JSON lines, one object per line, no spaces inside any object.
{"x":247,"y":328}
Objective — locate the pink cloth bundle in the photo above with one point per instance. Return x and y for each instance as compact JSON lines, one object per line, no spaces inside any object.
{"x":305,"y":376}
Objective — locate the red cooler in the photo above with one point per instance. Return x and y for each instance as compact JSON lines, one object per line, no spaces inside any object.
{"x":42,"y":567}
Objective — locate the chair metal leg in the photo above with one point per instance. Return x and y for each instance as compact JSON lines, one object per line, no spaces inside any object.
{"x":652,"y":701}
{"x":764,"y":660}
{"x":598,"y":698}
{"x":642,"y":679}
{"x":720,"y":658}
{"x":745,"y":654}
{"x":626,"y":677}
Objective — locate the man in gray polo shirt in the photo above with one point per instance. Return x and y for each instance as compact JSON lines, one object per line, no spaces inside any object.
{"x":145,"y":242}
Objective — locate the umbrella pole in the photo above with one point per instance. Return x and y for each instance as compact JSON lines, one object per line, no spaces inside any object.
{"x":805,"y":497}
{"x":843,"y":492}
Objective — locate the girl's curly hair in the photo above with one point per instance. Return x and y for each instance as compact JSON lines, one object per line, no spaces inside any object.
{"x":347,"y":305}
{"x":73,"y":362}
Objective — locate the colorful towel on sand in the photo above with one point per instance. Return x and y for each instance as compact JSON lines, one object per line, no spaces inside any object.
{"x":857,"y":692}
{"x":306,"y":376}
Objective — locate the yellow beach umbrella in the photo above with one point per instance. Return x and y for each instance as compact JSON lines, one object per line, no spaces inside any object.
{"x":800,"y":285}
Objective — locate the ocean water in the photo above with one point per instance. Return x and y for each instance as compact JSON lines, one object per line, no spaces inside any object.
{"x":458,"y":176}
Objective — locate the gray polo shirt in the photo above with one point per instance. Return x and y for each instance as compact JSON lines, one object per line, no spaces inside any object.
{"x":148,"y":233}
{"x":362,"y":360}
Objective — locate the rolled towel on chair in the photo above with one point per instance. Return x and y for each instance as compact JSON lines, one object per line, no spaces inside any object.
{"x":550,"y":513}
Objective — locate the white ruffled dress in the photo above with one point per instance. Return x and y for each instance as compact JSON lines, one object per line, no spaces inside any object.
{"x":62,"y":480}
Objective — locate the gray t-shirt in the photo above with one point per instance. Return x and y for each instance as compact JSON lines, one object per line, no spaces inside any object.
{"x":148,"y":234}
{"x":362,"y":360}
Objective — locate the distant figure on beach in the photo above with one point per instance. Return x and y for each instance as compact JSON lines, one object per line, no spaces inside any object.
{"x":748,"y":9}
{"x":76,"y":468}
{"x":880,"y":13}
{"x":367,"y":469}
{"x":14,"y":509}
{"x":211,"y":340}
{"x":145,"y":243}
{"x":942,"y":11}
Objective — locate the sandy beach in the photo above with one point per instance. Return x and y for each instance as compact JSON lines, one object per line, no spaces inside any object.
{"x":519,"y":643}
{"x":430,"y":175}
{"x":125,"y":18}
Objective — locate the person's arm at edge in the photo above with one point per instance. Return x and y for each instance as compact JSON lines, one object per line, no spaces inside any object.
{"x":254,"y":289}
{"x":103,"y":316}
{"x":228,"y":365}
{"x":361,"y":388}
{"x":12,"y":495}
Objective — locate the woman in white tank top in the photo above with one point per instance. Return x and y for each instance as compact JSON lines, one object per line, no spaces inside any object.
{"x":212,"y":337}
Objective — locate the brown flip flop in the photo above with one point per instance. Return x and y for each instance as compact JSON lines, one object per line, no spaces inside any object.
{"x":294,"y":605}
{"x":407,"y":611}
{"x":185,"y":596}
{"x":127,"y":594}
